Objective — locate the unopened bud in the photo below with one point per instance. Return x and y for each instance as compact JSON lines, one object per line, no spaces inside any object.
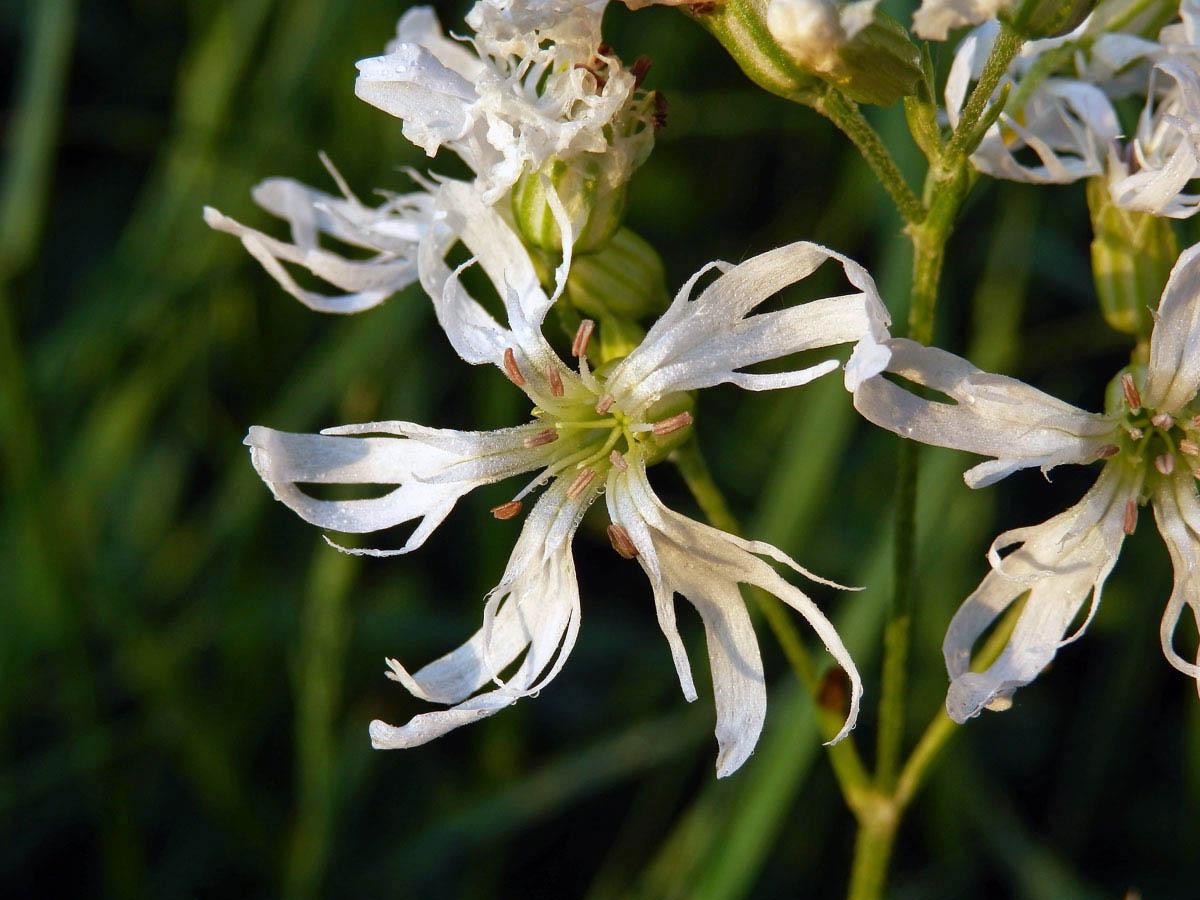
{"x":625,"y":280}
{"x":1045,"y":18}
{"x":866,"y":53}
{"x":1132,"y":256}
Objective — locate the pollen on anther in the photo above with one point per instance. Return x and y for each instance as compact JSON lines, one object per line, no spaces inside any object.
{"x":507,"y":510}
{"x":1165,"y":463}
{"x":1107,"y":450}
{"x":583,"y":335}
{"x":511,"y":369}
{"x":618,"y":461}
{"x":1163,"y":421}
{"x":1189,"y":447}
{"x":579,"y":485}
{"x":1132,"y":397}
{"x":605,"y":403}
{"x":674,"y":423}
{"x":1131,"y":514}
{"x":1136,"y":434}
{"x":549,"y":436}
{"x":556,"y":384}
{"x":621,"y":541}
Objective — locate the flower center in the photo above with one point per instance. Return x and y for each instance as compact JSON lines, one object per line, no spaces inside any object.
{"x":1163,"y":438}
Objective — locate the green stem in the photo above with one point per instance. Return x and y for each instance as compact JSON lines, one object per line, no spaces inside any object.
{"x":845,"y":114}
{"x":872,"y":851}
{"x":1008,"y":42}
{"x":847,"y":764}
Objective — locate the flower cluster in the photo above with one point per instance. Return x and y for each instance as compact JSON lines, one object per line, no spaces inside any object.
{"x":535,"y":87}
{"x":553,"y":125}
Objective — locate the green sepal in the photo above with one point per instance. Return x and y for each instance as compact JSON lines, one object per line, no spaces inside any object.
{"x":879,"y":65}
{"x":581,"y":188}
{"x":1035,"y":19}
{"x":625,"y":280}
{"x":1132,"y":256}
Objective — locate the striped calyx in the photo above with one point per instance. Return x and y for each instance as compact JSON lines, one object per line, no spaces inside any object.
{"x":1132,"y":255}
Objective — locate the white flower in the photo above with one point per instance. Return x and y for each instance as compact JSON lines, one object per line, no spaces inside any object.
{"x":587,"y":435}
{"x":1150,"y":444}
{"x":813,"y":30}
{"x":391,"y":231}
{"x":540,"y":85}
{"x":1066,"y":124}
{"x":1069,"y":124}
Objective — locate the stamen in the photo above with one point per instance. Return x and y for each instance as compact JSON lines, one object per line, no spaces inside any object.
{"x":1132,"y":397}
{"x":638,"y":70}
{"x":605,"y":403}
{"x":549,"y":436}
{"x":618,"y":461}
{"x":1131,"y":514}
{"x":621,"y":541}
{"x":579,"y":485}
{"x":507,"y":510}
{"x":556,"y":385}
{"x":1107,"y":450}
{"x":1165,"y":463}
{"x":1163,"y":421}
{"x":511,"y":369}
{"x":582,"y":335}
{"x":1136,"y":434}
{"x":1196,"y":422}
{"x":674,"y":423}
{"x":1189,"y":448}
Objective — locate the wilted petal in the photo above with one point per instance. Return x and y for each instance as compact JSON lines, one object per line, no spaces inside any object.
{"x":535,"y":610}
{"x":990,"y":414}
{"x":1173,"y":375}
{"x":285,"y":460}
{"x":1060,"y":563}
{"x":705,"y":341}
{"x":706,"y":566}
{"x":1177,"y":511}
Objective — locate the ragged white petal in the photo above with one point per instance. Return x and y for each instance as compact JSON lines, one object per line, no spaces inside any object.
{"x":1173,"y":374}
{"x":935,"y":18}
{"x":1164,"y":155}
{"x":987,"y":414}
{"x":706,"y":566}
{"x":285,"y":460}
{"x":473,"y":332}
{"x":1060,"y":563}
{"x":536,"y":612}
{"x":367,"y":282}
{"x":705,"y":341}
{"x":1177,"y":512}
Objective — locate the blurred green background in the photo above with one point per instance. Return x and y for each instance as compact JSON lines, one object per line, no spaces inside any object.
{"x":187,"y":670}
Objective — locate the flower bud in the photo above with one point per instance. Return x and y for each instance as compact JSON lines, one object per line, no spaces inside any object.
{"x":593,"y":206}
{"x":1132,"y":256}
{"x":1045,"y":18}
{"x":624,"y":281}
{"x":864,"y":52}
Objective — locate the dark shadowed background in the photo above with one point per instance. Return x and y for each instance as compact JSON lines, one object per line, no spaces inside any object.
{"x":187,"y":670}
